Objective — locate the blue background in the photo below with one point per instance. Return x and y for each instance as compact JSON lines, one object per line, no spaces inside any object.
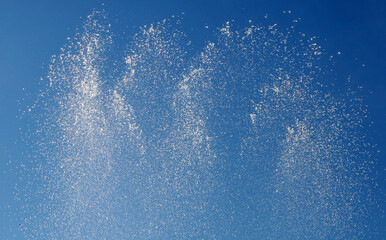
{"x":32,"y":31}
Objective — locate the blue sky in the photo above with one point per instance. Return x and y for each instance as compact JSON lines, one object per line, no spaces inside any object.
{"x":32,"y":31}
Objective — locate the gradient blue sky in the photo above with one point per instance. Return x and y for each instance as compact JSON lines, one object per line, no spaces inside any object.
{"x":32,"y":31}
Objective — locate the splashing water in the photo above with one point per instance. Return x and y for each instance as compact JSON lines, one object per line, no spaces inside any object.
{"x":241,"y":141}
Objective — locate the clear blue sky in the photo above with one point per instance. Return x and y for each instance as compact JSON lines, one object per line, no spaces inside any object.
{"x":32,"y":31}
